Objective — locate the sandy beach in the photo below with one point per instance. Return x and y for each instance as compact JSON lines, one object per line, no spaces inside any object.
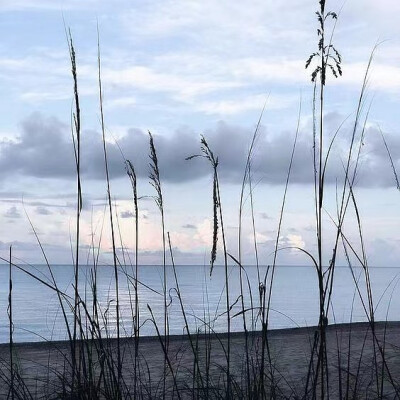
{"x":42,"y":366}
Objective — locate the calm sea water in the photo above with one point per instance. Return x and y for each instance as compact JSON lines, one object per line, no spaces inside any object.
{"x":37,"y":314}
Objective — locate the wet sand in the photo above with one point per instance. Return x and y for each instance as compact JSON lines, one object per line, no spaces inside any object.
{"x":44,"y":367}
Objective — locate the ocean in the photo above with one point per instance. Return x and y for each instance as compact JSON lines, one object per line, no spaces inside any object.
{"x":37,"y":313}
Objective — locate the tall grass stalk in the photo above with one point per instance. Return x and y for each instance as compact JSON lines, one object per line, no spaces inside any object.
{"x":207,"y":153}
{"x":247,"y":181}
{"x":329,"y":59}
{"x":266,"y":306}
{"x":132,"y":176}
{"x":155,"y":181}
{"x":11,"y":327}
{"x":77,"y":153}
{"x":193,"y":343}
{"x":119,"y":359}
{"x":166,"y":357}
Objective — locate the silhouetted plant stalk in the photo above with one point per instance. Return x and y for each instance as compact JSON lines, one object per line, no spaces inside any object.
{"x":266,"y":303}
{"x":95,"y":319}
{"x":347,"y":197}
{"x":11,"y":328}
{"x":193,"y":343}
{"x":155,"y":181}
{"x":166,"y":357}
{"x":76,"y":136}
{"x":349,"y":248}
{"x":369,"y":311}
{"x":207,"y":153}
{"x":132,"y":176}
{"x":114,"y":250}
{"x":328,"y":58}
{"x":247,"y":181}
{"x":61,"y":297}
{"x":395,"y":175}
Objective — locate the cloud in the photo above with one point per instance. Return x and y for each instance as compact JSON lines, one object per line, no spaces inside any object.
{"x":189,"y":226}
{"x":127,"y":214}
{"x":12,"y":212}
{"x":14,"y":198}
{"x":43,"y":150}
{"x":127,"y":101}
{"x":43,"y":211}
{"x":40,"y":5}
{"x":295,"y":241}
{"x":19,"y":245}
{"x":194,"y":50}
{"x":242,"y":104}
{"x":260,"y":238}
{"x":264,"y":215}
{"x":149,"y":79}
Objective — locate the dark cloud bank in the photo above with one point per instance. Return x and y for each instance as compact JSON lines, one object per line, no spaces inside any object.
{"x":44,"y":150}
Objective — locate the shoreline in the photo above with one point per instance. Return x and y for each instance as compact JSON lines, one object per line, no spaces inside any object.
{"x":222,"y":335}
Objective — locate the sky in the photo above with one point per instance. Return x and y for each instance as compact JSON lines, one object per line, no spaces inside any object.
{"x":182,"y":69}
